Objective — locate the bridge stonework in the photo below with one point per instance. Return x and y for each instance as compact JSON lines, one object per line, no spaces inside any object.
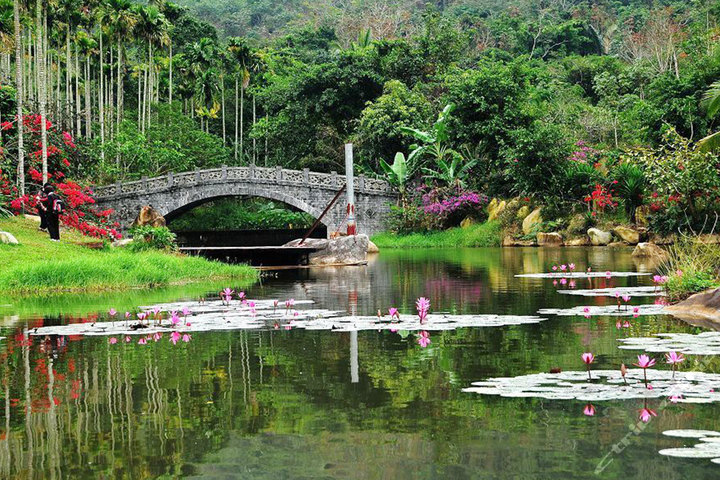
{"x":173,"y":194}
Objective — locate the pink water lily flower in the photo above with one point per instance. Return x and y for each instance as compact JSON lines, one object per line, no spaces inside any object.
{"x":226,"y":295}
{"x":618,"y":324}
{"x":555,"y":283}
{"x":157,"y":336}
{"x":571,"y":267}
{"x":554,"y":268}
{"x":571,"y":284}
{"x":644,"y":361}
{"x":185,"y":311}
{"x":423,"y":307}
{"x":563,"y":281}
{"x":626,"y":324}
{"x":679,"y":273}
{"x":112,"y":312}
{"x":127,"y":339}
{"x":113,"y":340}
{"x":241,"y":295}
{"x":424,"y":339}
{"x":142,"y":341}
{"x":563,"y":267}
{"x":675,"y":398}
{"x":626,"y":298}
{"x":646,"y":414}
{"x":174,"y":318}
{"x":289,"y":303}
{"x":589,"y":410}
{"x":174,"y":337}
{"x":674,"y":357}
{"x":186,"y":337}
{"x":127,"y":315}
{"x":588,"y":358}
{"x":394,"y":313}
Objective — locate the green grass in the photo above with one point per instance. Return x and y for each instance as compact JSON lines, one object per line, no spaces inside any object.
{"x":40,"y":267}
{"x":482,"y":235}
{"x":692,"y":267}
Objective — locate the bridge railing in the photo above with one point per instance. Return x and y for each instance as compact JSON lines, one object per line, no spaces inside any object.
{"x":268,"y":175}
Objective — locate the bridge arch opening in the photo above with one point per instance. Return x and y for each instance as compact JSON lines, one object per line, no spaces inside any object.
{"x":240,"y":220}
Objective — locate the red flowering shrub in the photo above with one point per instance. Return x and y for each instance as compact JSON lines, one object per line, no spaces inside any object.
{"x":599,"y":200}
{"x":80,"y":211}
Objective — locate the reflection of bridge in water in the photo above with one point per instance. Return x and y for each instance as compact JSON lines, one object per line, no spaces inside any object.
{"x":310,"y":192}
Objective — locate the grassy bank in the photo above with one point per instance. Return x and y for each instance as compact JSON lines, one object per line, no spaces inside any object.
{"x":38,"y":266}
{"x":692,"y":267}
{"x":482,"y":235}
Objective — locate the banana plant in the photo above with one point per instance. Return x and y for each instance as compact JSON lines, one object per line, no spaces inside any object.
{"x":401,"y":171}
{"x":711,"y":102}
{"x":451,"y":168}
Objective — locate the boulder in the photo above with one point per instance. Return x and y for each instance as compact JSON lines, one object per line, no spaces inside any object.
{"x":700,"y":309}
{"x":372,"y":248}
{"x":34,"y":218}
{"x":8,"y":238}
{"x":346,"y":250}
{"x":124,"y":242}
{"x":552,"y":239}
{"x":662,"y":240}
{"x":532,"y":221}
{"x":578,"y":224}
{"x":617,"y":244}
{"x":708,"y":239}
{"x":508,"y":241}
{"x":649,"y":250}
{"x":599,"y":237}
{"x":627,"y":234}
{"x":149,"y":216}
{"x":642,"y":216}
{"x":522,"y":212}
{"x":468,"y":222}
{"x":495,"y":210}
{"x":577,"y":242}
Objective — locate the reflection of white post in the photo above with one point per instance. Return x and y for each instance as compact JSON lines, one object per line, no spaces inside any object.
{"x":350,"y":182}
{"x":354,"y":363}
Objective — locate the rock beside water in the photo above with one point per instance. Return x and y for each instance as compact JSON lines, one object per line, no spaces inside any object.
{"x":532,"y":221}
{"x":649,"y":250}
{"x":8,"y":238}
{"x":552,"y":239}
{"x":350,"y":250}
{"x":599,"y":237}
{"x":627,"y":234}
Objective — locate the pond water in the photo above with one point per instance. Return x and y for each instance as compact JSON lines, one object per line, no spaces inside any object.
{"x":319,"y":404}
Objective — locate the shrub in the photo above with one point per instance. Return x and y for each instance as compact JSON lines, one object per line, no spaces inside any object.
{"x":692,"y":267}
{"x":153,"y":238}
{"x":630,"y":187}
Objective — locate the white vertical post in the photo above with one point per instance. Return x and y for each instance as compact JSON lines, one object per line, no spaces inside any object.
{"x":354,"y":361}
{"x":350,"y":188}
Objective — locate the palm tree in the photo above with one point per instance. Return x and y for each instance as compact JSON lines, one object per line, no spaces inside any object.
{"x":42,"y":83}
{"x":19,"y":94}
{"x":711,"y":102}
{"x":241,"y":53}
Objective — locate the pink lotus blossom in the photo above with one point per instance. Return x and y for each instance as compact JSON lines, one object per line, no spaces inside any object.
{"x":675,"y":398}
{"x":674,"y":358}
{"x":113,"y":340}
{"x":174,"y":318}
{"x":289,"y":303}
{"x":554,"y":268}
{"x":626,"y":298}
{"x":127,"y":339}
{"x":127,"y":315}
{"x":142,"y":341}
{"x":589,"y":269}
{"x":571,"y":284}
{"x":679,"y":273}
{"x":563,"y":281}
{"x":563,"y":267}
{"x":618,"y":324}
{"x":112,"y":312}
{"x":608,"y":274}
{"x":185,"y":311}
{"x":394,"y":313}
{"x":423,"y":307}
{"x":174,"y":337}
{"x":571,"y":267}
{"x":156,"y":310}
{"x":646,"y":414}
{"x":588,"y":358}
{"x":424,"y":339}
{"x":555,"y":283}
{"x":157,"y":336}
{"x":226,"y":295}
{"x":649,"y":387}
{"x":644,"y":361}
{"x":589,"y":410}
{"x":241,"y":295}
{"x":186,"y":337}
{"x":626,"y":324}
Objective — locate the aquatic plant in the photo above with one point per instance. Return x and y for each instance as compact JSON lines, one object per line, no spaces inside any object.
{"x":644,"y":362}
{"x":589,"y":410}
{"x":674,"y":359}
{"x":424,"y":339}
{"x":588,"y":358}
{"x":423,"y":307}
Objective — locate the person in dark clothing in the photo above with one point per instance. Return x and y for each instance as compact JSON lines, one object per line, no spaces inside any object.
{"x":40,"y":199}
{"x":53,"y":208}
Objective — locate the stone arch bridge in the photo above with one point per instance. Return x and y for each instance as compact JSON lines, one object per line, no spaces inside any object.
{"x":173,"y":194}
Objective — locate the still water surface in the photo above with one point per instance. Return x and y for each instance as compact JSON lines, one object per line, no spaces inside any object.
{"x":280,"y":404}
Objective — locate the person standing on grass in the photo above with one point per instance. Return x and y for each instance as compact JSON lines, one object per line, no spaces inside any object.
{"x":53,"y":207}
{"x":40,"y":199}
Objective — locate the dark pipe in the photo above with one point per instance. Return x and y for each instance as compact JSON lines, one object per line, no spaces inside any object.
{"x":317,"y":222}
